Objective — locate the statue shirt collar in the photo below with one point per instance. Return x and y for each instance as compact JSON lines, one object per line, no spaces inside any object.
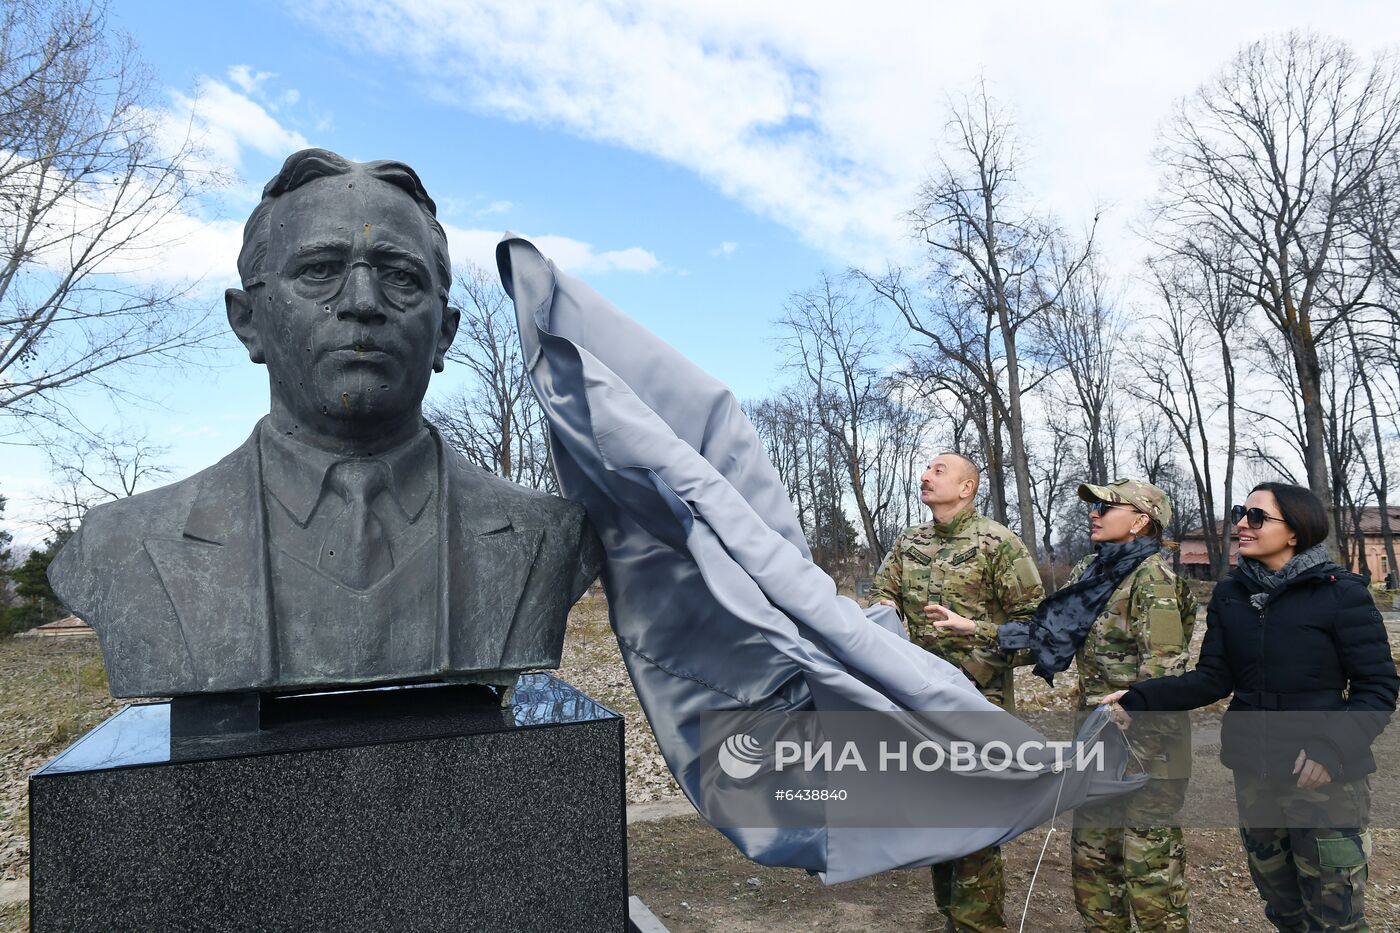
{"x":296,"y":473}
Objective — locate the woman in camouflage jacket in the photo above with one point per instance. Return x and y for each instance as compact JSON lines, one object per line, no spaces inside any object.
{"x":1124,"y":861}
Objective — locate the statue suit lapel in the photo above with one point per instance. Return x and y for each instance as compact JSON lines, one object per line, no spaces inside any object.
{"x":488,"y":564}
{"x":216,"y":576}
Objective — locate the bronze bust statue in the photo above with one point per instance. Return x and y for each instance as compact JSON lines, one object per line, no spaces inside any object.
{"x":344,"y":543}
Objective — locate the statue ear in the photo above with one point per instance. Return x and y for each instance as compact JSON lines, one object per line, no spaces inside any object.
{"x":451,"y":317}
{"x":239,"y":305}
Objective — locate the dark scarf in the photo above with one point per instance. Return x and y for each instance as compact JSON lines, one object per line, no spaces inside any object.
{"x":1271,"y":581}
{"x":1062,"y":621}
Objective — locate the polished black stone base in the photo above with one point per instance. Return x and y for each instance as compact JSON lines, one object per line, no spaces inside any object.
{"x":408,"y":808}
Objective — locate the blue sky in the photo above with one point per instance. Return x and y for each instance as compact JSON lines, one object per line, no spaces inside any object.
{"x":696,"y":162}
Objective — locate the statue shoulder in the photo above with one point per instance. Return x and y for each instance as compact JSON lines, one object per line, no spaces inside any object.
{"x":162,"y":510}
{"x":521,"y":503}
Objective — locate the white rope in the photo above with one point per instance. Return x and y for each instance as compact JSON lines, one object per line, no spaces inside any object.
{"x":1064,"y":773}
{"x":1026,"y":907}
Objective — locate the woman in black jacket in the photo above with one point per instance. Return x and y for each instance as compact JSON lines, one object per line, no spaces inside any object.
{"x":1290,"y":632}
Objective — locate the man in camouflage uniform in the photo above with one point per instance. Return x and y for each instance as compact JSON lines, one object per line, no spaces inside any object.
{"x":953,"y":580}
{"x":1125,"y":861}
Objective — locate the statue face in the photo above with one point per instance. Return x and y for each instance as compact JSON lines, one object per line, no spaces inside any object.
{"x":352,"y":319}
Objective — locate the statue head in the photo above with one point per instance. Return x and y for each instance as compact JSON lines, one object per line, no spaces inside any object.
{"x":345,"y":277}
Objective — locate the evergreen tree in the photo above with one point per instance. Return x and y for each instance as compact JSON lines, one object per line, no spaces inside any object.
{"x":39,"y":603}
{"x":5,"y":539}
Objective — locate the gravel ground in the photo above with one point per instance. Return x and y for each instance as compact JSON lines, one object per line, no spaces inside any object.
{"x":593,"y":663}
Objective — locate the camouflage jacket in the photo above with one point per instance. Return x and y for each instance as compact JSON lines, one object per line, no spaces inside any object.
{"x":978,"y":569}
{"x":1144,"y":631}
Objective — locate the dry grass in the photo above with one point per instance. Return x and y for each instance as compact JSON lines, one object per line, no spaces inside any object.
{"x":55,"y":690}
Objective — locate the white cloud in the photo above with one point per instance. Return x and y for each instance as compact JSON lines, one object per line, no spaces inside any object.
{"x":478,"y":247}
{"x":225,"y":123}
{"x":248,"y":80}
{"x":725,"y":249}
{"x":25,"y":512}
{"x":824,"y":116}
{"x":798,"y":117}
{"x":495,"y":207}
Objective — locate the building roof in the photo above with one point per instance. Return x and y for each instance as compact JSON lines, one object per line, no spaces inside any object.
{"x":68,"y":625}
{"x":1371,"y":520}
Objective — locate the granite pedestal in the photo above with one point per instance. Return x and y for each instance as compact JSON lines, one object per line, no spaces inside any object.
{"x":406,"y":808}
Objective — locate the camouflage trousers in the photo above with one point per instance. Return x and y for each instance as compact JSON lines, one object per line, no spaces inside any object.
{"x":1309,"y":878}
{"x":1126,"y":864}
{"x":971,"y":891}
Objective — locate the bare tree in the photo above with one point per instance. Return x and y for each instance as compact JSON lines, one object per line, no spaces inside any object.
{"x":1184,"y":367}
{"x":1373,"y":354}
{"x":813,"y":470}
{"x":902,"y":447}
{"x":495,"y":420}
{"x":836,"y":346}
{"x":86,"y":191}
{"x":1344,"y":419}
{"x":1376,"y":217}
{"x":781,"y":426}
{"x":92,"y":468}
{"x":1274,"y":407}
{"x":1155,"y":446}
{"x":1082,"y":333}
{"x":996,"y":254}
{"x":960,"y":365}
{"x":1211,"y":297}
{"x":1269,"y":155}
{"x":1050,"y":465}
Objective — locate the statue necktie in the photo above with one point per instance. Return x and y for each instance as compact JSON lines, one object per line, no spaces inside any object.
{"x":356,"y":550}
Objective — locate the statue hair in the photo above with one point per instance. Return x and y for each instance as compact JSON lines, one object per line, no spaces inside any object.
{"x":310,"y":164}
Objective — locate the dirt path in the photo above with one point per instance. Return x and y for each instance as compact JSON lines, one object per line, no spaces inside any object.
{"x":694,"y":879}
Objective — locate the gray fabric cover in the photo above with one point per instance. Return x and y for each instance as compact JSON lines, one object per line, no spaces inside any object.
{"x":713,"y":596}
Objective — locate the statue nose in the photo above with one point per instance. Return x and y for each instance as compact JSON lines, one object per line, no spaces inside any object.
{"x":360,"y":298}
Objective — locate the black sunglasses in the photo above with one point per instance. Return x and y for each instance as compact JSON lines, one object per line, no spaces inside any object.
{"x":1254,"y":517}
{"x":1098,"y":508}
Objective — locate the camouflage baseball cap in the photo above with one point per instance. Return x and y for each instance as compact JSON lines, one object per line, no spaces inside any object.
{"x":1146,"y":498}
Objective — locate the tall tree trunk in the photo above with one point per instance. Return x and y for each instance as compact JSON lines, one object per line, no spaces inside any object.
{"x":867,"y":518}
{"x":1315,"y":444}
{"x":1219,"y":570}
{"x":1382,"y":481}
{"x":1020,"y":463}
{"x":996,"y":467}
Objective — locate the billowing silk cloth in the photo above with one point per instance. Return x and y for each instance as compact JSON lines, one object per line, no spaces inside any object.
{"x":713,"y":596}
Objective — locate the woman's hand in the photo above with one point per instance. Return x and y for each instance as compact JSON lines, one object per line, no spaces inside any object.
{"x":945,"y":619}
{"x":1119,"y":715}
{"x":1310,"y":773}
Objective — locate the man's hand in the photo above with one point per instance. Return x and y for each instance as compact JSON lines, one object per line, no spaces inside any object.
{"x":1120,"y":716}
{"x":1310,"y":773}
{"x":946,"y":620}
